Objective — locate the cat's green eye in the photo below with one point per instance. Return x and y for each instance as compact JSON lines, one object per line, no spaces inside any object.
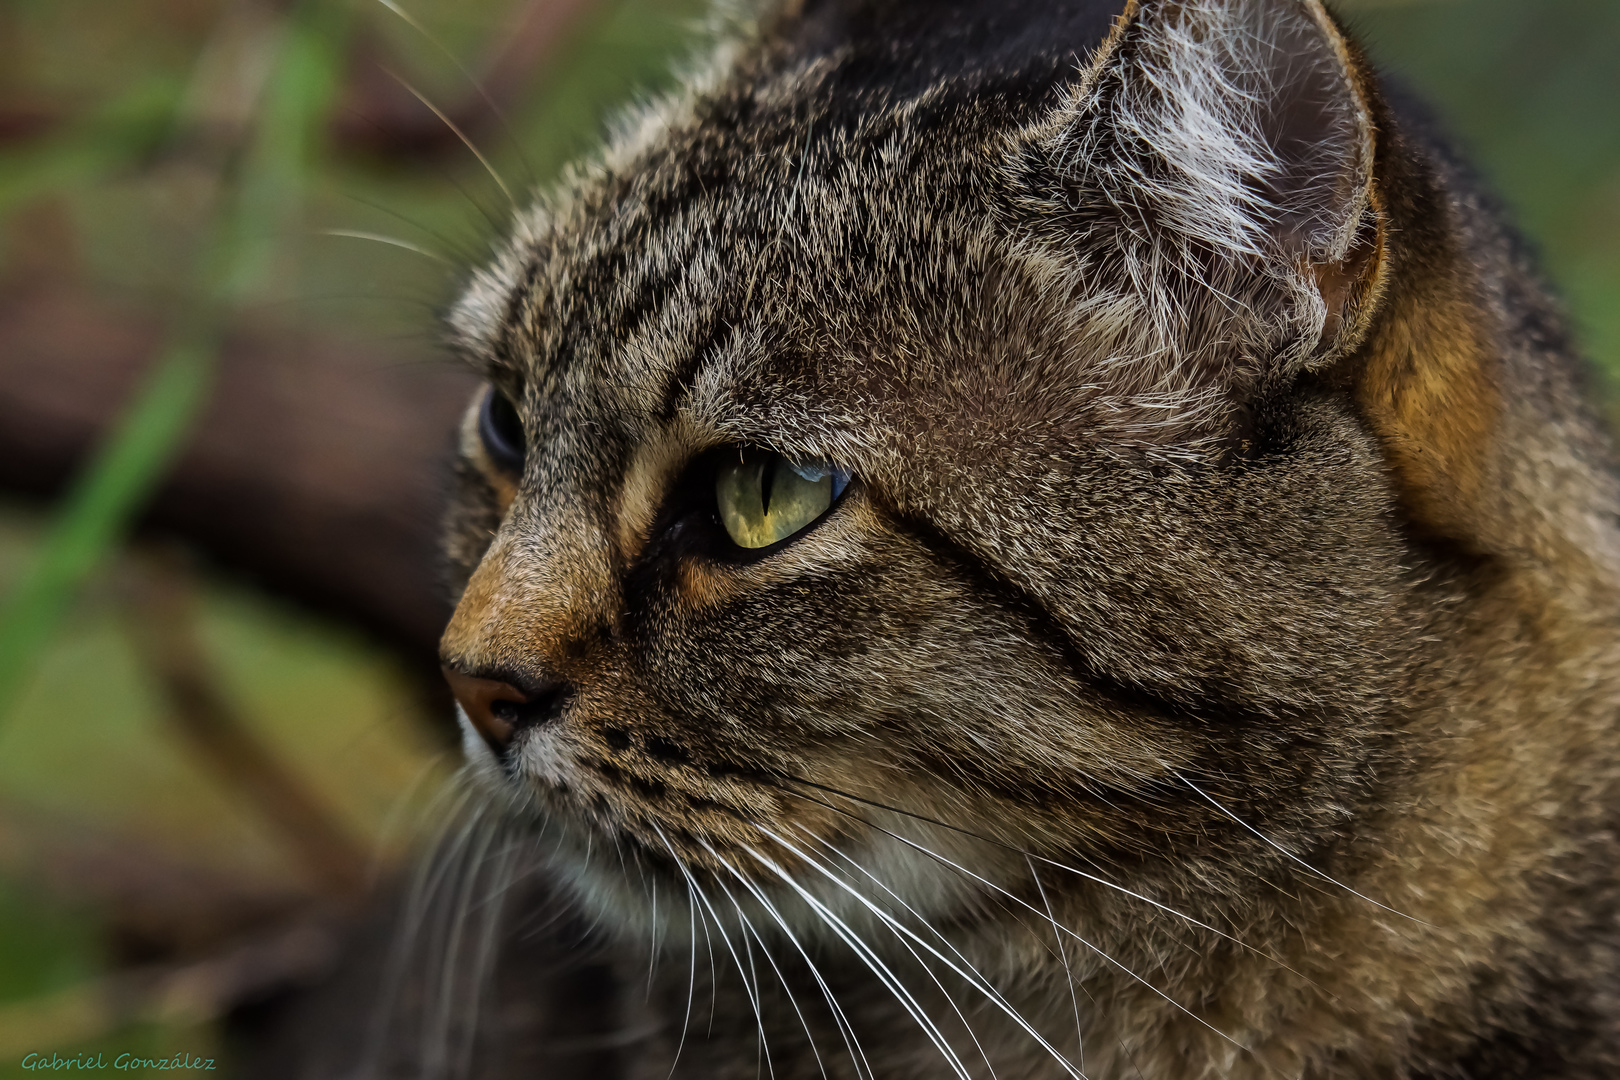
{"x":764,"y":498}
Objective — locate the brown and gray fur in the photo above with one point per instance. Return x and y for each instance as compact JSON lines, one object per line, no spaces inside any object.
{"x":1213,"y":669}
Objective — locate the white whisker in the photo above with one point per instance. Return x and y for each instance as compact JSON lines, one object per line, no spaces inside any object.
{"x":691,"y":985}
{"x":975,"y":980}
{"x":1068,"y":969}
{"x":490,"y":909}
{"x":846,"y":1029}
{"x":652,"y":957}
{"x":943,"y":939}
{"x":874,"y":963}
{"x":786,"y":986}
{"x":428,"y":875}
{"x":466,"y":73}
{"x":465,"y":141}
{"x":1067,"y":930}
{"x":437,"y":1033}
{"x":392,"y":241}
{"x":1104,"y":882}
{"x":751,"y":989}
{"x":1289,"y":854}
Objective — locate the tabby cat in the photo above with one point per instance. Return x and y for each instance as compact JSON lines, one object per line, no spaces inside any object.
{"x":1038,"y":538}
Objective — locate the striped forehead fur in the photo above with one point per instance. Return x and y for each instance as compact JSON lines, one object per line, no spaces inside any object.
{"x":1155,"y":330}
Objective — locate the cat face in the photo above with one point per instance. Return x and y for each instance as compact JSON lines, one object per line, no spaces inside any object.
{"x":911,"y":469}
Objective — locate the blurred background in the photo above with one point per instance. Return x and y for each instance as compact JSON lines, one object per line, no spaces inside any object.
{"x":226,"y":229}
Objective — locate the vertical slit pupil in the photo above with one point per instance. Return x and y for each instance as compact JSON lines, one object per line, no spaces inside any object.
{"x":767,"y":480}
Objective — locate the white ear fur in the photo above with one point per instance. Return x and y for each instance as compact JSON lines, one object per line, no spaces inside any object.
{"x":1222,"y":145}
{"x":1252,"y":108}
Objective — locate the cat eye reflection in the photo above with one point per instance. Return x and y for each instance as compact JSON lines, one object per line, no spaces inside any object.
{"x":501,"y":431}
{"x":764,"y":498}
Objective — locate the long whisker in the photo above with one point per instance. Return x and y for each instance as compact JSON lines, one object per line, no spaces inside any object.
{"x":440,"y":1029}
{"x":1290,"y":855}
{"x":652,"y":958}
{"x":450,"y":869}
{"x":764,"y":1051}
{"x":943,"y":939}
{"x":749,"y":926}
{"x":914,"y":913}
{"x":691,"y":985}
{"x":751,"y":989}
{"x":874,"y":963}
{"x":708,"y":946}
{"x":846,"y":1030}
{"x":465,"y":141}
{"x":975,"y":980}
{"x":472,"y":80}
{"x":490,"y":911}
{"x":428,"y":874}
{"x":1100,"y":953}
{"x":455,"y":251}
{"x":946,"y":941}
{"x":1063,"y":954}
{"x":1062,"y":951}
{"x":1115,"y":886}
{"x":392,"y":241}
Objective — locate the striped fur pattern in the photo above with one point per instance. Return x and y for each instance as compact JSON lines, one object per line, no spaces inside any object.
{"x":1211,"y":669}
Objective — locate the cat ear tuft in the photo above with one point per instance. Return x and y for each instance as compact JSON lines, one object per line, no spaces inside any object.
{"x":1228,"y":142}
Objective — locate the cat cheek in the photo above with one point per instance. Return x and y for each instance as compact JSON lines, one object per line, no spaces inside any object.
{"x":505,"y":493}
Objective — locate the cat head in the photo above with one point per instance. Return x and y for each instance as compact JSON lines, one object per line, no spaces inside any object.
{"x":925,"y":441}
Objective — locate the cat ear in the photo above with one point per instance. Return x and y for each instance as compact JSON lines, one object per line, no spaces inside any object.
{"x":1225,"y":145}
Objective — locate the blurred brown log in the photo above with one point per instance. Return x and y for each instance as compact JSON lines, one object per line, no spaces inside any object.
{"x":318,"y":467}
{"x":162,"y":604}
{"x":318,"y":470}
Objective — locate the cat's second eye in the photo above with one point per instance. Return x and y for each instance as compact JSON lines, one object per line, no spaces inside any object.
{"x":764,"y":498}
{"x":501,"y":431}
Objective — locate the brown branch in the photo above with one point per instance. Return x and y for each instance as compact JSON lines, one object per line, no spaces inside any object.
{"x":200,"y":713}
{"x":156,"y":907}
{"x":318,"y":465}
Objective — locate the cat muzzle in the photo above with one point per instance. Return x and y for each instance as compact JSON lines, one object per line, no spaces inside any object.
{"x":498,"y":709}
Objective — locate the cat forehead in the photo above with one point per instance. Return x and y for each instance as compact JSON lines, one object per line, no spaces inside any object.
{"x":835,"y":257}
{"x":819,"y":132}
{"x":993,"y":238}
{"x":719,"y":252}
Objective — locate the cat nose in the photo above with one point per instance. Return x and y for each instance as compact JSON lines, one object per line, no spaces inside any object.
{"x":499,"y":709}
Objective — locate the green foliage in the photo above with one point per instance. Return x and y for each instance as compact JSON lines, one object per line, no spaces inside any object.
{"x":1531,"y":92}
{"x":130,"y":464}
{"x":43,"y":948}
{"x":94,"y":514}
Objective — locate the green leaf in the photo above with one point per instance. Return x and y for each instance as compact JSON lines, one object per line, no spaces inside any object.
{"x":96,"y":512}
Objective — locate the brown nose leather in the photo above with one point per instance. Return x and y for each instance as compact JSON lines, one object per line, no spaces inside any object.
{"x":478,"y":697}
